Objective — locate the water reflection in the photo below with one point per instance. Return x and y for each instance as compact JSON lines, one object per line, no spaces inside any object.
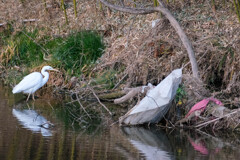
{"x":33,"y":121}
{"x":152,"y":143}
{"x":22,"y":137}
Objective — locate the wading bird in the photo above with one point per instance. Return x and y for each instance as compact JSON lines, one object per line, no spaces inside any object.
{"x":32,"y":82}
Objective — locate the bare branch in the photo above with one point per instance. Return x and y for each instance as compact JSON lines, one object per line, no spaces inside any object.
{"x":129,"y":9}
{"x":132,"y":92}
{"x":82,"y":106}
{"x":100,"y":102}
{"x":187,"y":44}
{"x":216,"y":119}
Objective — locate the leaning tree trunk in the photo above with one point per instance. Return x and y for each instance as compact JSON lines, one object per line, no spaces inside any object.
{"x":161,"y":8}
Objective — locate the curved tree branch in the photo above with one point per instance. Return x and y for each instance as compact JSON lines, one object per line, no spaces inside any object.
{"x":129,"y":9}
{"x":187,"y":44}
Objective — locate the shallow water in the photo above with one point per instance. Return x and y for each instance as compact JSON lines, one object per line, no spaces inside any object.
{"x":39,"y":130}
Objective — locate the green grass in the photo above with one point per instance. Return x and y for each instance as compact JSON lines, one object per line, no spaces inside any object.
{"x":5,"y":34}
{"x":71,"y":52}
{"x":79,"y":49}
{"x":27,"y":51}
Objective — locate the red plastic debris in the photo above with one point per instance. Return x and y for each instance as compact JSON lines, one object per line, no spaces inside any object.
{"x":202,"y":105}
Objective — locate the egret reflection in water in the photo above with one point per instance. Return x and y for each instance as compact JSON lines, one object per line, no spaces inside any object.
{"x":33,"y":121}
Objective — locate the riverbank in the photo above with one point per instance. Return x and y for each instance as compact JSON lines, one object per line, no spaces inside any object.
{"x":132,"y":53}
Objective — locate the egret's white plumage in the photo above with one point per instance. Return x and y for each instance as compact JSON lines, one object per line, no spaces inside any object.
{"x":32,"y":82}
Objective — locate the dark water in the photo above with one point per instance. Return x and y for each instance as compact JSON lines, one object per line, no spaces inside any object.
{"x":26,"y":133}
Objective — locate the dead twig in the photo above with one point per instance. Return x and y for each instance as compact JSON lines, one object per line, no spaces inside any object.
{"x":211,"y":121}
{"x":82,"y":106}
{"x":100,"y":101}
{"x":120,"y":81}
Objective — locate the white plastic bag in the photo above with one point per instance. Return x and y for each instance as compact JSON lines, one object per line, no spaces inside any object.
{"x":156,"y":103}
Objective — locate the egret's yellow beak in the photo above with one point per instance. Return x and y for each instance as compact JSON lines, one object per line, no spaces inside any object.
{"x":55,"y":70}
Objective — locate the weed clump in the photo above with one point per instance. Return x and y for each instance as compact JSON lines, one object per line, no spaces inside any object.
{"x":21,"y":50}
{"x":73,"y":52}
{"x":79,"y":49}
{"x":27,"y":51}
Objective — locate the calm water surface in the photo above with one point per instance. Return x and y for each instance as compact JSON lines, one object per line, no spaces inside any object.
{"x":26,"y":132}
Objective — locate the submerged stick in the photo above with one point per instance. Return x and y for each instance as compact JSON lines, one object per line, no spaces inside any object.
{"x":82,"y":106}
{"x":101,"y":102}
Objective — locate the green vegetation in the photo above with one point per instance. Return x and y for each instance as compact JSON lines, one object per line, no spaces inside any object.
{"x":107,"y":79}
{"x":19,"y":49}
{"x":27,"y":51}
{"x":29,"y":48}
{"x":77,"y":50}
{"x":237,"y":8}
{"x":181,"y":95}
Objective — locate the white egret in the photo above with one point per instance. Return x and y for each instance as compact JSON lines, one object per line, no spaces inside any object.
{"x":32,"y":82}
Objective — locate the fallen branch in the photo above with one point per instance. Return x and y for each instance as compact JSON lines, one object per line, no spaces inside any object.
{"x":187,"y":44}
{"x":132,"y":92}
{"x":214,"y":120}
{"x":111,"y":95}
{"x":101,"y":102}
{"x":29,"y":20}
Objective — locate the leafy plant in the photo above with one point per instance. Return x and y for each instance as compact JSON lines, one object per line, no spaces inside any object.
{"x":180,"y":95}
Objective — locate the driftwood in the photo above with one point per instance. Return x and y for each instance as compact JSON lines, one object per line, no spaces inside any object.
{"x":161,"y":8}
{"x":112,"y":95}
{"x":132,"y":92}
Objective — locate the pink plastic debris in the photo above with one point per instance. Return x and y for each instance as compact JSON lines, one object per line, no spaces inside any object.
{"x":199,"y":146}
{"x":202,"y":105}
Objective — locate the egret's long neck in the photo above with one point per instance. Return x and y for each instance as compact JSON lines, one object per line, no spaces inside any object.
{"x":46,"y":76}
